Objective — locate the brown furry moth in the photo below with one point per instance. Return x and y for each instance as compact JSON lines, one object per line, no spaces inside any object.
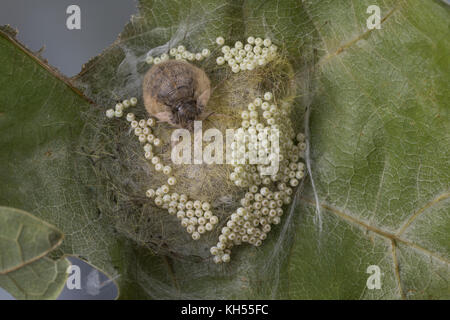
{"x":176,"y":92}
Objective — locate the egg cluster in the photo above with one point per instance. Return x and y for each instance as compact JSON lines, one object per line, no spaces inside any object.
{"x":265,"y":133}
{"x":179,"y":53}
{"x":267,"y":194}
{"x":265,"y":136}
{"x":255,"y":53}
{"x":196,"y":216}
{"x":120,"y":107}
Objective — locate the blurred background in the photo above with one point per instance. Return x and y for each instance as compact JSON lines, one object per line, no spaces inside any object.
{"x":42,"y":24}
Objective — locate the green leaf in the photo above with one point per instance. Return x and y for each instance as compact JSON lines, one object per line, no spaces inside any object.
{"x":380,"y":134}
{"x":25,"y":270}
{"x":24,"y":239}
{"x":40,"y":124}
{"x":379,"y":150}
{"x":43,"y":279}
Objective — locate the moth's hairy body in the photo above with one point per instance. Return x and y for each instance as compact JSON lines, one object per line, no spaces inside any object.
{"x":176,"y":92}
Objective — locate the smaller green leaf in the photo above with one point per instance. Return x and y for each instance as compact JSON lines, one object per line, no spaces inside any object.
{"x":25,"y":270}
{"x":24,"y":239}
{"x":42,"y":279}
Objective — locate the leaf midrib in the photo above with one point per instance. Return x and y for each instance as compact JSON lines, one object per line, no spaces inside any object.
{"x":394,"y":237}
{"x":325,"y":59}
